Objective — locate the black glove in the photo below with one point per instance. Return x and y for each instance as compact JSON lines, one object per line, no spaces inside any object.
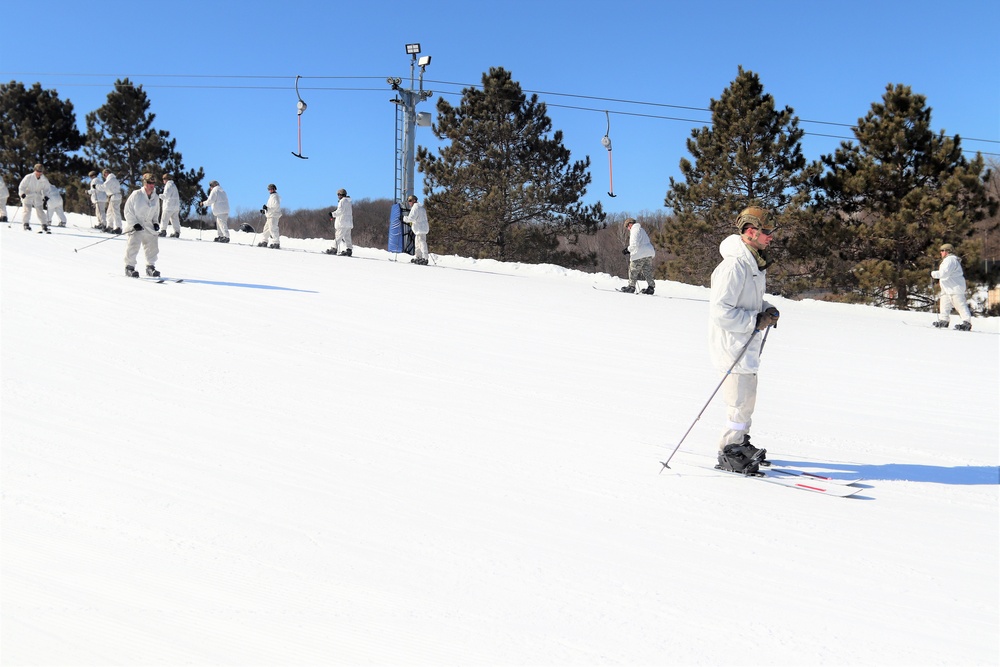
{"x":767,"y":318}
{"x":263,"y":209}
{"x":626,"y":252}
{"x":156,"y":227}
{"x":137,"y":227}
{"x":331,"y":215}
{"x":45,"y":202}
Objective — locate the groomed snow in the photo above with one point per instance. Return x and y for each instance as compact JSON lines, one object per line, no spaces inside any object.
{"x":298,"y":459}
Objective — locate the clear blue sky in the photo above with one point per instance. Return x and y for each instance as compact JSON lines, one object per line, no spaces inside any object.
{"x":234,"y":110}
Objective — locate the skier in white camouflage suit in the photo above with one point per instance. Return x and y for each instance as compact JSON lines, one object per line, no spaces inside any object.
{"x":4,"y":196}
{"x":170,"y":208}
{"x":272,"y":214}
{"x":952,"y":289}
{"x":736,"y":310}
{"x":343,"y":223}
{"x":219,"y":201}
{"x":114,"y":211}
{"x":142,"y":209}
{"x":33,"y":190}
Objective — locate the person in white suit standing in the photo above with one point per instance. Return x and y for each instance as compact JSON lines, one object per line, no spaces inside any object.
{"x":33,"y":190}
{"x":4,"y":196}
{"x":417,"y":219}
{"x":343,"y":223}
{"x":99,"y":198}
{"x":54,"y":205}
{"x":737,"y":313}
{"x":142,"y":210}
{"x":952,"y":289}
{"x":219,"y":202}
{"x":114,"y":191}
{"x":170,"y":203}
{"x":272,"y":214}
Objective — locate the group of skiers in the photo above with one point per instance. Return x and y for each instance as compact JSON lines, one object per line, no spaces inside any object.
{"x":37,"y":195}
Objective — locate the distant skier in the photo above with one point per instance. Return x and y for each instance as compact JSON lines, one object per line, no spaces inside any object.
{"x":272,"y":214}
{"x":417,"y":219}
{"x":736,"y":310}
{"x":141,"y":213}
{"x":640,"y":253}
{"x":99,"y":198}
{"x":952,"y":289}
{"x":219,"y":202}
{"x":33,"y":190}
{"x":54,"y":206}
{"x":170,"y":213}
{"x":4,"y":196}
{"x":343,"y":222}
{"x":114,"y":191}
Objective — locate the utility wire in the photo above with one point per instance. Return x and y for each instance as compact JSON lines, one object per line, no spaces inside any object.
{"x":451,"y":93}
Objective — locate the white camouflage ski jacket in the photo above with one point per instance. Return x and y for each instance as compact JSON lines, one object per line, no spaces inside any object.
{"x":736,"y":296}
{"x":143,"y":209}
{"x":170,"y":198}
{"x":343,"y":217}
{"x":951,"y":276}
{"x":33,"y":189}
{"x":638,"y":243}
{"x":417,"y":217}
{"x":218,"y":200}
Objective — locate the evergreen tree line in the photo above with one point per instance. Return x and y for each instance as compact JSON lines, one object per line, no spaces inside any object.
{"x":863,"y":223}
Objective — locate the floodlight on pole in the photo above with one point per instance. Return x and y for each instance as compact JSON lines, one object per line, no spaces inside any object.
{"x":407,"y":100}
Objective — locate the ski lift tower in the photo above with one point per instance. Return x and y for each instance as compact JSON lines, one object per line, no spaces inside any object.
{"x":407,"y":120}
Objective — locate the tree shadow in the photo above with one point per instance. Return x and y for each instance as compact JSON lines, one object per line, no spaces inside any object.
{"x":904,"y":472}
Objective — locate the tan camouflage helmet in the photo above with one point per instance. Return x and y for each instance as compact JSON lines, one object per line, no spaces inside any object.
{"x":947,"y":247}
{"x":753,"y":216}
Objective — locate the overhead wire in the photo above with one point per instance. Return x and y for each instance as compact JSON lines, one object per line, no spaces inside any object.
{"x":463,"y":86}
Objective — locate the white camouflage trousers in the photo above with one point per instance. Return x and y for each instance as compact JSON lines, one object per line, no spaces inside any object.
{"x":739,"y":392}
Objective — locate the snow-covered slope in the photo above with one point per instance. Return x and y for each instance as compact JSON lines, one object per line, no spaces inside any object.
{"x":299,"y":459}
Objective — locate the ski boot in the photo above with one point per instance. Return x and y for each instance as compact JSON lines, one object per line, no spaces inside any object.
{"x":262,"y":244}
{"x":330,"y":251}
{"x":275,"y":246}
{"x":131,"y":272}
{"x":758,"y":455}
{"x":628,"y":289}
{"x":175,"y":235}
{"x":224,"y":239}
{"x":964,"y":326}
{"x":941,"y":324}
{"x":45,"y":229}
{"x":163,"y":233}
{"x":347,"y":253}
{"x":27,"y":227}
{"x":649,"y":290}
{"x":151,"y":271}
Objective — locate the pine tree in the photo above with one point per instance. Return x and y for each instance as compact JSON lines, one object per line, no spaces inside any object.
{"x":750,"y":155}
{"x":121,"y":137}
{"x":890,"y":199}
{"x":504,"y":187}
{"x":36,"y":126}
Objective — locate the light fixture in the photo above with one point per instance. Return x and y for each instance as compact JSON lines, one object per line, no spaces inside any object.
{"x":413,"y":49}
{"x":424,"y":61}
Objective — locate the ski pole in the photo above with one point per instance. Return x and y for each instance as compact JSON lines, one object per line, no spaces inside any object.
{"x":110,"y":238}
{"x":704,"y":407}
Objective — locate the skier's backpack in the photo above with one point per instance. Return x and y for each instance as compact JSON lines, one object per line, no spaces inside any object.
{"x":744,"y":459}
